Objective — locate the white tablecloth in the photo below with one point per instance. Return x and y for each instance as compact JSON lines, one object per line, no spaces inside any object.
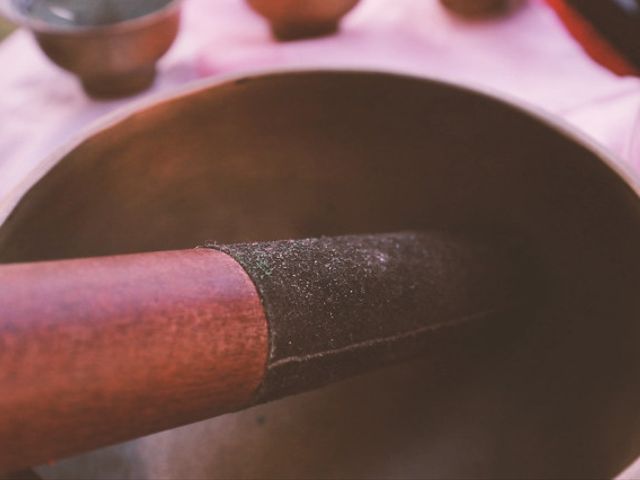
{"x":527,"y":55}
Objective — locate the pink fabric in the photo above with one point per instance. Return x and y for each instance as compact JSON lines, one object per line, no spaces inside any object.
{"x":527,"y":55}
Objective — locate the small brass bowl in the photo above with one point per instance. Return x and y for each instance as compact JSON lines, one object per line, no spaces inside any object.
{"x":476,"y":8}
{"x":111,"y":45}
{"x":294,"y":19}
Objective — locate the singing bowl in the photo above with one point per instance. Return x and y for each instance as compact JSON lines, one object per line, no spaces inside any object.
{"x":476,"y":8}
{"x":310,"y":153}
{"x":293,"y":20}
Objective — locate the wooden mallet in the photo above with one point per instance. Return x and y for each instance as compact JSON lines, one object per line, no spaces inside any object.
{"x":99,"y":350}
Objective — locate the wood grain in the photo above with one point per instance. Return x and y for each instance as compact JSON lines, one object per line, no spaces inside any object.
{"x":95,"y":351}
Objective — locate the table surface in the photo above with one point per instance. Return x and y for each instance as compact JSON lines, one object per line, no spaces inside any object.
{"x":526,"y":55}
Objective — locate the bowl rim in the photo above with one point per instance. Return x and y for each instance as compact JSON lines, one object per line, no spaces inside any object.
{"x":11,"y":13}
{"x":10,"y":200}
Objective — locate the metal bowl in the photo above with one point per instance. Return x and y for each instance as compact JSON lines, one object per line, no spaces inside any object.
{"x":476,"y":8}
{"x":111,"y":45}
{"x":302,"y":154}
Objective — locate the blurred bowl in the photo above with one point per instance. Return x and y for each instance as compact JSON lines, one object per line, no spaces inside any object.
{"x":111,"y":45}
{"x":311,"y":153}
{"x":476,"y":8}
{"x":293,"y":19}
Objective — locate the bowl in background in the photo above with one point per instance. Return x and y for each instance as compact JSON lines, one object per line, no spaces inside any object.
{"x":111,"y":45}
{"x":293,"y":19}
{"x":311,"y":153}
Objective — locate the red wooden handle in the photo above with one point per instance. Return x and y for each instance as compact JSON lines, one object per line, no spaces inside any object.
{"x":96,"y":351}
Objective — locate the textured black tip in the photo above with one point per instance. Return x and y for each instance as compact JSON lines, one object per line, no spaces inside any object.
{"x":343,"y":305}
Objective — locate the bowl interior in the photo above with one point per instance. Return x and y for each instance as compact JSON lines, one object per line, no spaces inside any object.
{"x":83,"y":13}
{"x":326,"y":153}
